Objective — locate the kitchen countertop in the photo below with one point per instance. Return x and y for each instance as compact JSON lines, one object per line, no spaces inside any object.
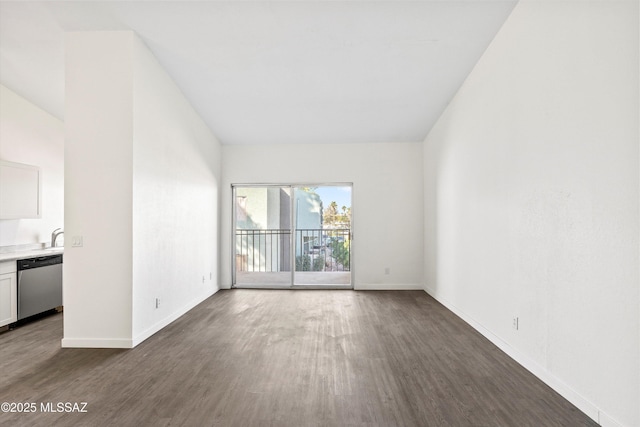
{"x":13,"y":256}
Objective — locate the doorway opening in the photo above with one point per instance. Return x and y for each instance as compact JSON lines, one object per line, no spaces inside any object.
{"x":292,"y":236}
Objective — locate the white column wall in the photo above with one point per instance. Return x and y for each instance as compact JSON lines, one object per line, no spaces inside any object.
{"x":532,"y":200}
{"x":142,"y":190}
{"x":98,"y":189}
{"x":387,"y":201}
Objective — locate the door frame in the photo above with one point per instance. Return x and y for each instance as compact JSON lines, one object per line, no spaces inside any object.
{"x":292,"y":213}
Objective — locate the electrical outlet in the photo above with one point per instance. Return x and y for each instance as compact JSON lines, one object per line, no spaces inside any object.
{"x":210,"y":275}
{"x":157,"y":302}
{"x":387,"y":270}
{"x":76,"y":241}
{"x":202,"y":279}
{"x":516,"y":322}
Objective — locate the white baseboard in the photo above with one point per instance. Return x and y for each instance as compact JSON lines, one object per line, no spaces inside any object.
{"x":131,"y":343}
{"x":387,"y":287}
{"x":96,"y":343}
{"x":171,"y":318}
{"x":606,"y":421}
{"x":583,"y":404}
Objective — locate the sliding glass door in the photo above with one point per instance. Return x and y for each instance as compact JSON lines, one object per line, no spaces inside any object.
{"x":292,"y":236}
{"x":262,"y":236}
{"x":322,"y":236}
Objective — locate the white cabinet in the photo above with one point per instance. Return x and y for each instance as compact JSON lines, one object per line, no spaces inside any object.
{"x":20,"y":191}
{"x":8,"y":293}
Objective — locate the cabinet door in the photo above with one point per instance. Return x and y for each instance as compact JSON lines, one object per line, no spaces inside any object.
{"x":19,"y":191}
{"x":8,"y":298}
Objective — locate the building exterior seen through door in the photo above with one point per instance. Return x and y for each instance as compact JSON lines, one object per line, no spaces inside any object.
{"x":292,"y":236}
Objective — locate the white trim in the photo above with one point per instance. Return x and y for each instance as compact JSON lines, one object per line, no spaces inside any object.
{"x":131,"y":343}
{"x":566,"y":391}
{"x":96,"y":343}
{"x":606,"y":421}
{"x":171,"y":318}
{"x":388,"y":287}
{"x":313,"y":287}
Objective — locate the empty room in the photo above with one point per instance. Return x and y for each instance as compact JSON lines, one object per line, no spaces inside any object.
{"x":320,"y":213}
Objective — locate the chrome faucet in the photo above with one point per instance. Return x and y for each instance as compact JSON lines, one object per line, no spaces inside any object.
{"x":54,"y":236}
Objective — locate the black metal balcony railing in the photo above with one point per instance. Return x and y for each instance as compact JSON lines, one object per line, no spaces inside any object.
{"x":315,"y":250}
{"x":263,"y":250}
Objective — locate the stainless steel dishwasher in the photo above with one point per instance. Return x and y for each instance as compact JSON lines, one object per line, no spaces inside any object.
{"x":39,"y":285}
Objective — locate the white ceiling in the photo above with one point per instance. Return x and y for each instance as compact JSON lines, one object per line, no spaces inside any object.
{"x":274,"y":72}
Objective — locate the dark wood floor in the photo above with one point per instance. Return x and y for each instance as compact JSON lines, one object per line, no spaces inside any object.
{"x":284,"y":358}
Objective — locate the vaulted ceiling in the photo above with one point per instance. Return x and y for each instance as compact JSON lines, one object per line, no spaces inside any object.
{"x":274,"y":72}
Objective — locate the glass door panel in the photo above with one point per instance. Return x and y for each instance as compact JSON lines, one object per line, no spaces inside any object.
{"x":322,"y":236}
{"x":262,"y":231}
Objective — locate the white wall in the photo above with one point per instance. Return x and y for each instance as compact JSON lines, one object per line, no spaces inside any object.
{"x":142,"y":176}
{"x":387,"y":201}
{"x":532,"y":200}
{"x":176,"y":174}
{"x":97,"y":278}
{"x":30,"y":135}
